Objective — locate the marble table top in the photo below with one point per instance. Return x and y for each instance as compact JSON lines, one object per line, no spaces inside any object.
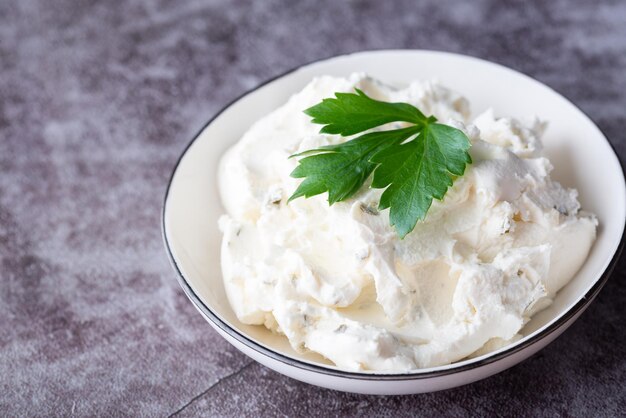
{"x":98,"y":99}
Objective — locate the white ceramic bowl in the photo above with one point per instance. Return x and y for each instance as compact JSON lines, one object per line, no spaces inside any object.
{"x":582,"y":156}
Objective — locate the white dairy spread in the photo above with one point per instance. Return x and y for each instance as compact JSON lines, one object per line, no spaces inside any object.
{"x":338,"y":281}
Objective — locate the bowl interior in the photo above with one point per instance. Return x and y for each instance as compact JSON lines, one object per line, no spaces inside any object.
{"x":580,"y":153}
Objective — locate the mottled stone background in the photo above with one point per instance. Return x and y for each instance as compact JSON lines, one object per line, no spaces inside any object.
{"x":98,"y":99}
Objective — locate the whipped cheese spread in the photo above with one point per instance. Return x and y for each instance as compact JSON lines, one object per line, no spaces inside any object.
{"x":338,"y":281}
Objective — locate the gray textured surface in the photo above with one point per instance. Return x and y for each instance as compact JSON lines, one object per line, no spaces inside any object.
{"x":98,"y":99}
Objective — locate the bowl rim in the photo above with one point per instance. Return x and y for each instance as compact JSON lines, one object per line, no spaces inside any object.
{"x":407,"y":376}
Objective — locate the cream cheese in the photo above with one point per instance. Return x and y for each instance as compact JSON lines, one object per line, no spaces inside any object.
{"x":338,"y":281}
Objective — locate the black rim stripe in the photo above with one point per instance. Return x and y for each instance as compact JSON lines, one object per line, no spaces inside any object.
{"x":416,"y":375}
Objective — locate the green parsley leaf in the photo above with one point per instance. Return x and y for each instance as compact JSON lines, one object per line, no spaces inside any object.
{"x":414,"y":165}
{"x":348,"y":113}
{"x":417,"y":171}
